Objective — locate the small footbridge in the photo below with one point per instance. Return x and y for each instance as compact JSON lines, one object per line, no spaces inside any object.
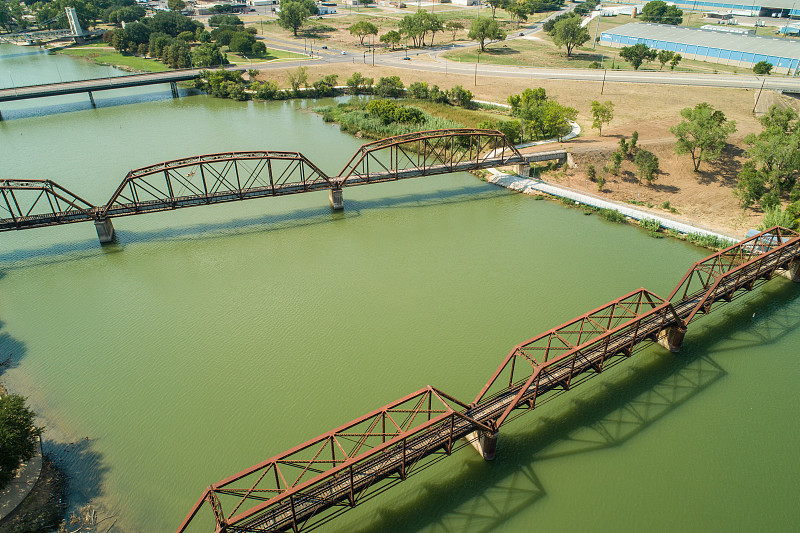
{"x":235,"y":176}
{"x":312,"y":483}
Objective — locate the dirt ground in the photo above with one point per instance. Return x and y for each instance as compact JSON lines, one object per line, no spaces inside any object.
{"x":705,"y":198}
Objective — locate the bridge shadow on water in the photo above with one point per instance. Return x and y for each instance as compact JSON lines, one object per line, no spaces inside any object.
{"x":483,"y":496}
{"x":299,"y":218}
{"x":103,"y":100}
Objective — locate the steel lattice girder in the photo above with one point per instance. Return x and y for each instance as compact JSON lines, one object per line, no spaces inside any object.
{"x":428,"y":152}
{"x":762,"y":255}
{"x":32,"y":203}
{"x":587,"y":341}
{"x":214,"y":178}
{"x":335,"y":466}
{"x":702,"y":274}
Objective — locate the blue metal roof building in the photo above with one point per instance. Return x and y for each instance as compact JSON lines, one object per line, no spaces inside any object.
{"x":708,"y":45}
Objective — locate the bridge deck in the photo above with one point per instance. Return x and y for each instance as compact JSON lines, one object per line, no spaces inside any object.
{"x":294,"y":506}
{"x":101,"y":84}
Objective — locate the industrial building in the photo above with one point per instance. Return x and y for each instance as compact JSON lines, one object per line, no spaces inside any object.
{"x":764,"y":8}
{"x":707,"y":45}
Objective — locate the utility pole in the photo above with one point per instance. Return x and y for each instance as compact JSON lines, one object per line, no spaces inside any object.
{"x":602,"y":87}
{"x":759,"y":94}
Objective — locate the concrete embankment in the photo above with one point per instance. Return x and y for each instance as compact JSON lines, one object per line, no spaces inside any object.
{"x":533,"y":186}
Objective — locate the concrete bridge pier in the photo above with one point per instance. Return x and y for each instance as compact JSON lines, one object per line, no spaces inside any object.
{"x":793,"y":272}
{"x":671,"y":338}
{"x":91,"y":99}
{"x":336,"y":199}
{"x":174,"y":87}
{"x":523,"y":169}
{"x":105,"y":230}
{"x":484,"y":442}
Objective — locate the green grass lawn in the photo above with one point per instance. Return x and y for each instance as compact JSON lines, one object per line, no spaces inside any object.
{"x":109,"y":56}
{"x":271,"y":55}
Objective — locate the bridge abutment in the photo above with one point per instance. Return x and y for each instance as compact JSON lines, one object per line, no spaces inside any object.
{"x":523,"y":169}
{"x":671,"y":338}
{"x":792,"y":272}
{"x":336,"y":199}
{"x":484,"y":442}
{"x":105,"y":230}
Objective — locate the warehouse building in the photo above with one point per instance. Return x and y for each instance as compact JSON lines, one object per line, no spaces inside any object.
{"x":765,"y":8}
{"x":706,"y":45}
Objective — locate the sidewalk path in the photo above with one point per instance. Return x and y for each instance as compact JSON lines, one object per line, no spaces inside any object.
{"x":19,"y":487}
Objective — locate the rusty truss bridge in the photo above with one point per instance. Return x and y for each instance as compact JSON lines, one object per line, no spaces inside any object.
{"x":308,"y":485}
{"x":234,"y":176}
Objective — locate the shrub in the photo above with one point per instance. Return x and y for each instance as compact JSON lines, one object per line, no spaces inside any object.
{"x":591,"y":173}
{"x":17,"y":435}
{"x":358,"y":83}
{"x":511,"y":129}
{"x":460,"y":96}
{"x":437,"y":96}
{"x":650,"y":224}
{"x":612,"y":215}
{"x":390,"y":86}
{"x":390,"y":112}
{"x":418,"y":90}
{"x":762,"y":68}
{"x":648,"y":165}
{"x":601,"y":182}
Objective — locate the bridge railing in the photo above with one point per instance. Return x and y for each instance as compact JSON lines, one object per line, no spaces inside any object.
{"x":556,"y":356}
{"x":214,"y":178}
{"x":736,"y":267}
{"x":286,"y":490}
{"x":427,"y":152}
{"x":32,"y":203}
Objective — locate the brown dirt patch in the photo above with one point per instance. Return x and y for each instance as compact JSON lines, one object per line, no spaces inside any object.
{"x":649,"y":109}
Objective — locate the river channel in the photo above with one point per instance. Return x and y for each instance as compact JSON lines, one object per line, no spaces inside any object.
{"x":208,"y":339}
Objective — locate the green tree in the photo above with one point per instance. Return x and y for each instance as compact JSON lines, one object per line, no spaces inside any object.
{"x":494,"y":4}
{"x":675,"y":60}
{"x":518,"y":12}
{"x":391,"y":37}
{"x":297,"y":78}
{"x":362,"y":28}
{"x":664,"y":57}
{"x":358,"y":83}
{"x":602,"y":114}
{"x":242,"y":43}
{"x":762,"y":68}
{"x":483,"y":29}
{"x":18,"y":435}
{"x":207,"y":55}
{"x":648,"y":165}
{"x":293,"y":15}
{"x":637,"y":54}
{"x":751,"y":185}
{"x":390,"y":86}
{"x":511,"y":129}
{"x":418,"y":90}
{"x":454,"y":26}
{"x":703,"y":133}
{"x":325,"y":86}
{"x":259,"y":49}
{"x":659,"y":12}
{"x":460,"y":96}
{"x":569,"y":33}
{"x":176,"y":5}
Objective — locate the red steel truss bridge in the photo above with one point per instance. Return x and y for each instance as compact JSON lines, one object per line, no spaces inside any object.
{"x":310,"y":484}
{"x":234,"y":176}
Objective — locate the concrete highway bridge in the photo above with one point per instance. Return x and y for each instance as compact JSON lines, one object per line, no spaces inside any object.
{"x":314,"y":482}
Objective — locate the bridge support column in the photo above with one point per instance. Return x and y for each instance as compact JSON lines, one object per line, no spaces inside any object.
{"x":336,"y":198}
{"x":174,"y":87}
{"x":671,"y":338}
{"x":91,"y":98}
{"x":105,"y":230}
{"x":523,"y":169}
{"x":484,"y":442}
{"x":793,"y":272}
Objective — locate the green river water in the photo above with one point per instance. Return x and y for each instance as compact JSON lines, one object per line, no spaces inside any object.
{"x":209,"y":339}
